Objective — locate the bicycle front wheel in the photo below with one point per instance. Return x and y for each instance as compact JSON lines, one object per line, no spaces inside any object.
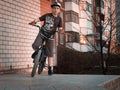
{"x":36,"y":62}
{"x":34,"y":69}
{"x":42,"y":63}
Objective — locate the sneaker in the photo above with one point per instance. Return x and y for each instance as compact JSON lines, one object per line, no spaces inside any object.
{"x":49,"y":71}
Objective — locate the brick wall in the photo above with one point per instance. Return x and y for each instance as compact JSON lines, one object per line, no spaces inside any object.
{"x":45,"y":6}
{"x":16,"y":36}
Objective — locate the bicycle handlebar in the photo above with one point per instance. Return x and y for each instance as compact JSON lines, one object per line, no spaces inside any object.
{"x":40,"y":27}
{"x":36,"y":26}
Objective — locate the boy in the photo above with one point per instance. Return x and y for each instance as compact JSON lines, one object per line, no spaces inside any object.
{"x":52,"y":21}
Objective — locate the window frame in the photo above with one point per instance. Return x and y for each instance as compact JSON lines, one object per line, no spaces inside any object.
{"x":74,"y":1}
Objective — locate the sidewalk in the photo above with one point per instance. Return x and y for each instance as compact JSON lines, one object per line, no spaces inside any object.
{"x":54,"y":82}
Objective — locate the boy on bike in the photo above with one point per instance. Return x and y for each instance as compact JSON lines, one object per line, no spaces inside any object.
{"x":52,"y":21}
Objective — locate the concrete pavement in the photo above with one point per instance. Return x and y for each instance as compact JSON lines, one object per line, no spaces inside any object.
{"x":54,"y":82}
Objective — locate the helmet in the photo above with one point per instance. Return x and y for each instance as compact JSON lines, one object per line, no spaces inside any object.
{"x":55,"y":4}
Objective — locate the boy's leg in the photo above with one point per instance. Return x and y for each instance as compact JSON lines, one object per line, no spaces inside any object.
{"x":49,"y":52}
{"x":50,"y":65}
{"x":37,"y":42}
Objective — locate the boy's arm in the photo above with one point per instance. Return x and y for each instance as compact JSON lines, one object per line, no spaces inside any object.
{"x":60,"y":26}
{"x":34,"y":22}
{"x":42,"y":18}
{"x":61,"y":30}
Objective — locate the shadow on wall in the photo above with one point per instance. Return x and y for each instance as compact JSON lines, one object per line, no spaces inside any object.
{"x":74,"y":62}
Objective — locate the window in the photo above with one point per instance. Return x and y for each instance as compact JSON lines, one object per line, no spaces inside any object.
{"x":106,"y":33}
{"x":83,"y":40}
{"x":61,"y":39}
{"x":75,"y":1}
{"x":72,"y":37}
{"x":89,"y":8}
{"x":109,"y":1}
{"x":99,"y":3}
{"x":102,"y":4}
{"x":89,"y":24}
{"x":72,"y":16}
{"x":109,"y":10}
{"x":68,"y":16}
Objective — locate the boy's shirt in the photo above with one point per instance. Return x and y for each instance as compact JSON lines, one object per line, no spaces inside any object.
{"x":51,"y":23}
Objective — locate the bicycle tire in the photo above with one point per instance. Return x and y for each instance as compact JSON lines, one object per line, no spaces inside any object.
{"x":42,"y":63}
{"x":36,"y":62}
{"x":40,"y":68}
{"x":34,"y":69}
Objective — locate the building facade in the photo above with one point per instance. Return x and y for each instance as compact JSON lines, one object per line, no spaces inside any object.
{"x":72,"y":24}
{"x":115,"y":10}
{"x":101,"y":12}
{"x":118,"y":21}
{"x":82,"y":24}
{"x":86,"y":26}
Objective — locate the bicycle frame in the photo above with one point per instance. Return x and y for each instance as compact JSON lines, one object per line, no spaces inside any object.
{"x":40,"y":58}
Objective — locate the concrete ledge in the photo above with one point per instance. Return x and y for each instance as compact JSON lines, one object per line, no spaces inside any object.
{"x":113,"y":84}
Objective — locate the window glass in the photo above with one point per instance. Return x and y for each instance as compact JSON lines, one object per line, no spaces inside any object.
{"x":72,"y":16}
{"x":72,"y":37}
{"x":89,"y":24}
{"x":89,"y":8}
{"x":102,"y":4}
